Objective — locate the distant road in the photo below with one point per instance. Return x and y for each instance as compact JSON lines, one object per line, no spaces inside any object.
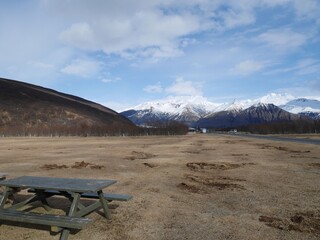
{"x":281,"y":139}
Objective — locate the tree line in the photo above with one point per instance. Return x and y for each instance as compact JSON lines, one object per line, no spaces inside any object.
{"x":84,"y":129}
{"x":298,"y":126}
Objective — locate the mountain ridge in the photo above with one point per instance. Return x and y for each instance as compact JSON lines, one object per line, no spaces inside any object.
{"x":158,"y":110}
{"x":256,"y":114}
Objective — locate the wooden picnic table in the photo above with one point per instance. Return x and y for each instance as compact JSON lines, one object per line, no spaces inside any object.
{"x":44,"y":187}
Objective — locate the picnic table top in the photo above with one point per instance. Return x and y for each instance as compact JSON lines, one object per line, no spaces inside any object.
{"x":60,"y":184}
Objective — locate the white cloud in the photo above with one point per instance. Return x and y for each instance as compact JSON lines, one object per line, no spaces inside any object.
{"x":157,"y":88}
{"x":247,"y":67}
{"x":278,"y":98}
{"x":43,"y":66}
{"x":283,"y":39}
{"x":136,"y":31}
{"x":273,"y":3}
{"x":201,"y":31}
{"x":108,"y":77}
{"x":153,"y":29}
{"x":302,"y":67}
{"x":149,"y":29}
{"x":153,"y":54}
{"x":309,"y":89}
{"x":233,"y":19}
{"x":183,"y":87}
{"x":83,"y":68}
{"x":308,"y":66}
{"x":309,"y":9}
{"x":80,"y":35}
{"x":109,"y":80}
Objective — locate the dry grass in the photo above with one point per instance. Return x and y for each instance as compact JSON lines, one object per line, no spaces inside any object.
{"x":184,"y":187}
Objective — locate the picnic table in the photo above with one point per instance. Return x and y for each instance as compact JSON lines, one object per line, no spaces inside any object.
{"x":73,"y":189}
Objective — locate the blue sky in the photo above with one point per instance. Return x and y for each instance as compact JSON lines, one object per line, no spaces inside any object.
{"x":121,"y":53}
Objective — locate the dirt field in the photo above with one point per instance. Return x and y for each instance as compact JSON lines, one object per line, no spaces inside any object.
{"x":184,"y":187}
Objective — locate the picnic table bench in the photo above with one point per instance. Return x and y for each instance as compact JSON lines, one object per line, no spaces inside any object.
{"x":73,"y":189}
{"x":45,"y":219}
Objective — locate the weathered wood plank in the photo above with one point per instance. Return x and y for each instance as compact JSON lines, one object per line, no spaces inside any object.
{"x":59,"y":184}
{"x":25,"y":202}
{"x":107,"y":196}
{"x":104,"y":204}
{"x":44,"y":219}
{"x":72,"y":211}
{"x":86,"y":210}
{"x":5,"y":196}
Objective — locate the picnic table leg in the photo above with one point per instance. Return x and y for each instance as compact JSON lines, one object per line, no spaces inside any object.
{"x":43,"y":198}
{"x":5,"y":196}
{"x":104,"y":204}
{"x":72,"y":212}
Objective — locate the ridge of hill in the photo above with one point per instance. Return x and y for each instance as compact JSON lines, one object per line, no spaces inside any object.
{"x":26,"y":107}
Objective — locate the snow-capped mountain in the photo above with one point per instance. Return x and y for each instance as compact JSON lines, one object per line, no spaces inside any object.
{"x":191,"y":109}
{"x":256,"y":114}
{"x":183,"y":109}
{"x":176,"y":105}
{"x":303,"y":106}
{"x":275,"y":98}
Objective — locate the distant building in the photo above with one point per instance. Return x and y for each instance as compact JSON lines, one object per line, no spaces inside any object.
{"x":191,"y":130}
{"x":203,"y":130}
{"x":233,"y":131}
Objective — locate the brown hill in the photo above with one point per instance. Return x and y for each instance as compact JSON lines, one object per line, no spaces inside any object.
{"x":30,"y":109}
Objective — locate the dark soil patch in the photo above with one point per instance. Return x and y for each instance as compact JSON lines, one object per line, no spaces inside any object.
{"x":213,"y":183}
{"x":140,"y":155}
{"x":220,"y":166}
{"x":263,"y":146}
{"x":81,"y":164}
{"x":230,"y":142}
{"x":196,"y":144}
{"x":308,"y":222}
{"x":96,"y":166}
{"x":293,"y":151}
{"x":231,"y":179}
{"x":317,"y":165}
{"x":208,"y":149}
{"x":53,"y":166}
{"x":84,"y":164}
{"x":191,"y":152}
{"x":199,"y":143}
{"x":150,"y":165}
{"x":77,"y":165}
{"x":191,"y":188}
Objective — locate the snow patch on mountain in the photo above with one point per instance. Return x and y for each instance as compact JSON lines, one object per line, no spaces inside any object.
{"x":276,"y":98}
{"x":201,"y":105}
{"x":178,"y":105}
{"x":301,"y":105}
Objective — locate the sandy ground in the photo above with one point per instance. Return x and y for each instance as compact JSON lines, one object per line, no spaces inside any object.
{"x":184,"y":187}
